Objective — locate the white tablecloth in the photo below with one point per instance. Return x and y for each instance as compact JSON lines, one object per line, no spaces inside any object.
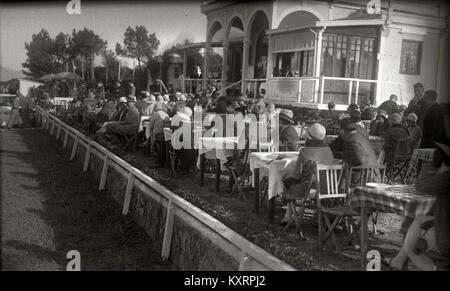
{"x":145,"y":124}
{"x":216,"y":148}
{"x":276,"y":166}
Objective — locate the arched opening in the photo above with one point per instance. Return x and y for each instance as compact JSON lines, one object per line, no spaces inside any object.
{"x":258,"y":51}
{"x":216,"y":35}
{"x":235,"y":35}
{"x":297,"y":19}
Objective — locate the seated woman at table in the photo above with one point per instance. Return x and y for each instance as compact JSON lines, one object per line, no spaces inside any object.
{"x":157,"y":132}
{"x":381,"y":124}
{"x":186,"y":155}
{"x":355,"y":116}
{"x":395,"y":133}
{"x":429,"y":235}
{"x":288,"y":134}
{"x":315,"y":150}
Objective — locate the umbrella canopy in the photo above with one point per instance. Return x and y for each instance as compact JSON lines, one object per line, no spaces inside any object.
{"x":68,"y":76}
{"x":47,"y":77}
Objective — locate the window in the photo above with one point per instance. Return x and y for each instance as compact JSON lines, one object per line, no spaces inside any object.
{"x":176,"y":71}
{"x":294,"y":64}
{"x":411,"y":56}
{"x":347,"y":56}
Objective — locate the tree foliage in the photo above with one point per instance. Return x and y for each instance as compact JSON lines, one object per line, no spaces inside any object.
{"x":40,"y":58}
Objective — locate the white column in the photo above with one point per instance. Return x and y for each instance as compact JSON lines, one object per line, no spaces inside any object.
{"x":206,"y":64}
{"x":317,"y":63}
{"x":380,"y":53}
{"x":183,"y":85}
{"x":245,"y":54}
{"x":225,"y":65}
{"x":269,"y":69}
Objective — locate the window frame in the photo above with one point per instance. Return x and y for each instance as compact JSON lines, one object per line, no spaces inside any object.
{"x":419,"y":57}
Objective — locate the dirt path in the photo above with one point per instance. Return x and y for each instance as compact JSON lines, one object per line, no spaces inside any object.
{"x":48,"y":207}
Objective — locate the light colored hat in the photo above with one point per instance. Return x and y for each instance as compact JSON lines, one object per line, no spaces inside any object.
{"x":91,"y":94}
{"x":412,"y":117}
{"x":146,"y":93}
{"x":123,"y":100}
{"x":287,"y":115}
{"x":152,"y":98}
{"x":316,"y":132}
{"x":185,"y":113}
{"x":383,"y":113}
{"x":166,"y":97}
{"x":396,"y":118}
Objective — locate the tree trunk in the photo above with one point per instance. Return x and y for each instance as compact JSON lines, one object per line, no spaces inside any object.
{"x":107,"y":75}
{"x":149,"y":78}
{"x":92,"y":69}
{"x":82,"y":67}
{"x":118,"y":72}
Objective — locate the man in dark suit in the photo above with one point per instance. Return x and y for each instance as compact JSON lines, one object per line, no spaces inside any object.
{"x":413,"y":106}
{"x":390,"y":106}
{"x":433,"y":121}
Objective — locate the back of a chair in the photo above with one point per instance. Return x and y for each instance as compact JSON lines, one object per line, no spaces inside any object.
{"x":404,"y":149}
{"x":328,"y":181}
{"x":366,"y":174}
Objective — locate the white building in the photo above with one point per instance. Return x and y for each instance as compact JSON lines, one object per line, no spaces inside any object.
{"x":368,"y":49}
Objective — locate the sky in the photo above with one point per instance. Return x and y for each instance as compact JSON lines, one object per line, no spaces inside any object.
{"x":172,"y":21}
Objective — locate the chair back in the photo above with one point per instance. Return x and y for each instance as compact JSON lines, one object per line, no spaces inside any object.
{"x":404,"y":149}
{"x":328,"y":180}
{"x":366,"y":174}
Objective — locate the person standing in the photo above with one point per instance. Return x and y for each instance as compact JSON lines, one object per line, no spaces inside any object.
{"x":433,"y":121}
{"x":14,"y":115}
{"x":413,"y":106}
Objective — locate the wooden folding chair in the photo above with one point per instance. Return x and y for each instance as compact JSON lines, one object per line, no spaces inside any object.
{"x":297,"y":216}
{"x":366,"y":174}
{"x":130,"y":142}
{"x":331,"y":201}
{"x":398,"y":161}
{"x":239,"y":180}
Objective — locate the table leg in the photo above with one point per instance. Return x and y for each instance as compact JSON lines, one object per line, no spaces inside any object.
{"x":202,"y":170}
{"x":364,"y":241}
{"x":217,"y":175}
{"x":271,"y":209}
{"x":256,"y":183}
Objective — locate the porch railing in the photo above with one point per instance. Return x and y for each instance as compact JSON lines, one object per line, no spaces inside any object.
{"x":253,"y":85}
{"x":313,"y":90}
{"x":193,"y":86}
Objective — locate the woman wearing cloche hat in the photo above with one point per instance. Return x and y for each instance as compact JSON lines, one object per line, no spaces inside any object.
{"x":316,"y":150}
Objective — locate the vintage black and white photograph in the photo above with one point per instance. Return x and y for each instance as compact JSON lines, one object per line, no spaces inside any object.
{"x":270,"y":135}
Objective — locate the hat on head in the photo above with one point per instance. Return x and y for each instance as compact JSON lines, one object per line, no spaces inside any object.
{"x":185,"y":113}
{"x":123,"y":100}
{"x":131,"y":98}
{"x":383,"y":113}
{"x":316,"y":132}
{"x":412,"y":117}
{"x":146,"y":93}
{"x":91,"y":94}
{"x":152,"y":98}
{"x":396,"y":118}
{"x":287,"y":115}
